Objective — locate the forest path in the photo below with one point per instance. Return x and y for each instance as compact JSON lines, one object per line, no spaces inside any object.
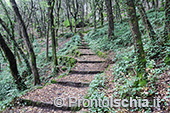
{"x":75,"y":85}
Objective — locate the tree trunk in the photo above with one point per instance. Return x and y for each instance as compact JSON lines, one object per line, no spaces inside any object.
{"x":119,"y":12}
{"x":75,"y":18}
{"x":94,"y":13}
{"x":82,"y":14}
{"x":167,"y":20}
{"x":16,"y":45}
{"x":102,"y":17}
{"x":153,"y":3}
{"x":12,"y":63}
{"x":68,"y":15}
{"x":149,"y":7}
{"x":47,"y":38}
{"x":27,"y":43}
{"x":141,"y":61}
{"x":147,"y":23}
{"x":87,"y":10}
{"x":111,"y":19}
{"x":74,"y":10}
{"x":100,"y":4}
{"x":58,"y":5}
{"x":51,"y":6}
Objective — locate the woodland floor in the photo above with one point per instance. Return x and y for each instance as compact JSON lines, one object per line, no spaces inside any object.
{"x":75,"y":84}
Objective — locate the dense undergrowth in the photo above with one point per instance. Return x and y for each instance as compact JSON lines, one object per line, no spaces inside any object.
{"x":124,"y":74}
{"x":8,"y":89}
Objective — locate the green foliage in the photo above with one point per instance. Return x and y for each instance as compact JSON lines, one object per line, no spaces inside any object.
{"x":167,"y":59}
{"x":53,"y":81}
{"x":96,"y":92}
{"x":66,"y":61}
{"x":68,"y":35}
{"x":67,"y":24}
{"x":8,"y":90}
{"x":98,"y":39}
{"x":127,"y":83}
{"x":101,"y":54}
{"x":69,"y":48}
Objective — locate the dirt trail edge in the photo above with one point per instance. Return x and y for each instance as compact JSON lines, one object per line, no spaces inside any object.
{"x":74,"y":85}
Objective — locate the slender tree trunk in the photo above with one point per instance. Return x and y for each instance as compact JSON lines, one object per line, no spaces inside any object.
{"x":12,"y":63}
{"x":42,"y":24}
{"x":102,"y":17}
{"x":157,"y":4}
{"x":146,"y":22}
{"x":149,"y":7}
{"x":16,"y":45}
{"x":27,"y":43}
{"x":87,"y":10}
{"x":167,"y":20}
{"x":75,"y":18}
{"x":55,"y":63}
{"x":58,"y":5}
{"x":82,"y":15}
{"x":74,"y":11}
{"x":12,"y":36}
{"x":47,"y":38}
{"x":2,"y":54}
{"x":153,"y":4}
{"x":68,"y":15}
{"x":111,"y":19}
{"x":133,"y":21}
{"x":118,"y":8}
{"x":94,"y":8}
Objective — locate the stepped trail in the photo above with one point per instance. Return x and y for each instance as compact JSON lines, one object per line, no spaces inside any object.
{"x":74,"y":85}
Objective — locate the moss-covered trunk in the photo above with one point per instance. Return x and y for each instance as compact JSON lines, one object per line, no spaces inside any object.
{"x":167,"y":20}
{"x":27,"y":43}
{"x":110,"y":18}
{"x":12,"y":63}
{"x":133,"y":21}
{"x":16,"y":45}
{"x":147,"y":23}
{"x":51,"y":16}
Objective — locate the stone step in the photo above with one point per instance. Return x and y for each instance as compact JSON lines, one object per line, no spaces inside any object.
{"x":83,"y":54}
{"x":90,"y":61}
{"x":86,"y":51}
{"x":83,"y":47}
{"x":73,"y":84}
{"x":88,"y":67}
{"x":45,"y":105}
{"x":85,"y":72}
{"x":77,"y":78}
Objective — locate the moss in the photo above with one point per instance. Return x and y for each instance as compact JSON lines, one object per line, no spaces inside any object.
{"x":167,"y":59}
{"x":39,"y":87}
{"x":101,"y":54}
{"x":64,"y":68}
{"x":53,"y":81}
